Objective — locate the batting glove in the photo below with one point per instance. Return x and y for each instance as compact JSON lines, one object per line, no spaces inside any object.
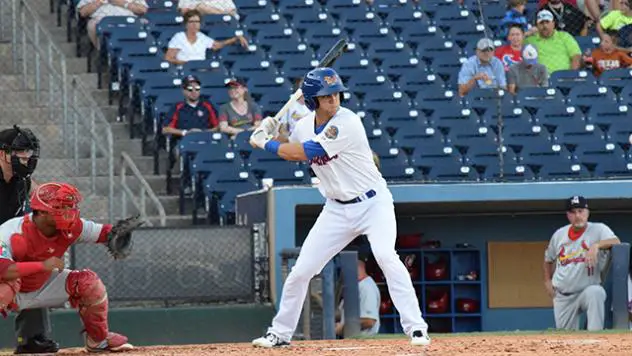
{"x":260,"y":137}
{"x":270,"y":125}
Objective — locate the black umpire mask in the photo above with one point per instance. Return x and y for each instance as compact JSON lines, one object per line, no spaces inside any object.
{"x":24,"y":141}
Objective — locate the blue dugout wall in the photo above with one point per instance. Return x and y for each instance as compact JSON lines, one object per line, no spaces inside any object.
{"x":455,"y":213}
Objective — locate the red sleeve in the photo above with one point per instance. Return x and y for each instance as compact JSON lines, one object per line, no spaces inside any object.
{"x":212,"y":118}
{"x":103,"y":236}
{"x":174,"y":119}
{"x":19,"y":247}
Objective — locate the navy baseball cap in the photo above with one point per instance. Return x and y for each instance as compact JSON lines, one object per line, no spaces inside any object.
{"x":236,"y":82}
{"x":576,"y":202}
{"x":190,"y":79}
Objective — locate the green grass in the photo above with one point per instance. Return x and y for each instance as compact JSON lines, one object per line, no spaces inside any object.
{"x":501,"y":333}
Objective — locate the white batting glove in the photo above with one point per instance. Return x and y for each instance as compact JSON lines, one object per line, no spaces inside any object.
{"x":260,"y":137}
{"x":270,"y":125}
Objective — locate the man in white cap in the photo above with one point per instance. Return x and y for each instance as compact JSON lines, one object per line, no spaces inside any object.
{"x":528,"y":73}
{"x":482,"y":70}
{"x":557,"y":50}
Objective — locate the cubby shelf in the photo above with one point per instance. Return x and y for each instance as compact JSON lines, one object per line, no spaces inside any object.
{"x":458,"y":262}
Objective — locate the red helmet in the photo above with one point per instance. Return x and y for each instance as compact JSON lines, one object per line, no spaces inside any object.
{"x":61,"y":200}
{"x":438,"y":302}
{"x":437,"y":270}
{"x":467,"y":305}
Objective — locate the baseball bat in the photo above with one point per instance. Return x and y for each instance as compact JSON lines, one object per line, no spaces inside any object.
{"x":328,"y":59}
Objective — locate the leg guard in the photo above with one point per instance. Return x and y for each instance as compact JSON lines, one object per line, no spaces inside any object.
{"x":8,"y":290}
{"x":87,"y":293}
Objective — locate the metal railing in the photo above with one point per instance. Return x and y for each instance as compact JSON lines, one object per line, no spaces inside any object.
{"x":139,"y":203}
{"x":84,"y":132}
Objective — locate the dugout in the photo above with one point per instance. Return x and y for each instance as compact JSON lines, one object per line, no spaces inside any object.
{"x":506,"y":224}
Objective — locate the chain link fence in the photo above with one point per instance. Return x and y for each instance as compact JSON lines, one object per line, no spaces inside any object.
{"x":197,"y":265}
{"x":38,"y":92}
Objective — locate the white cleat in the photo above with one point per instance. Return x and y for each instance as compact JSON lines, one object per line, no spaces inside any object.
{"x":270,"y":341}
{"x":420,"y":338}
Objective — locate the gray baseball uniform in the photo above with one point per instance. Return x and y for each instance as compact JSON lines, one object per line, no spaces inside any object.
{"x":370,"y":299}
{"x":577,"y":290}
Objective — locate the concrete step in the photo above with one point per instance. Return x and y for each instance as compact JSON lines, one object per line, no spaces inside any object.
{"x":66,"y":166}
{"x":16,"y":82}
{"x":28,"y":98}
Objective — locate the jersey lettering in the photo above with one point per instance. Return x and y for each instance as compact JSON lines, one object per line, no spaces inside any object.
{"x":322,"y":160}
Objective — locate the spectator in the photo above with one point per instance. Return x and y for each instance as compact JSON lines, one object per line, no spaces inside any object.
{"x":515,"y":16}
{"x":573,"y":264}
{"x":568,"y":17}
{"x":241,"y":113}
{"x":191,"y":45}
{"x":528,"y":73}
{"x":557,"y":50}
{"x":98,"y":9}
{"x":192,"y":114}
{"x":607,"y":56}
{"x":511,"y":53}
{"x":615,"y":20}
{"x":589,"y":7}
{"x":482,"y":70}
{"x":370,"y":299}
{"x":209,"y":7}
{"x":296,"y":112}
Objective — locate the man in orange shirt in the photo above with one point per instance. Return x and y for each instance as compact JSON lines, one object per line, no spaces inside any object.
{"x":607,"y":56}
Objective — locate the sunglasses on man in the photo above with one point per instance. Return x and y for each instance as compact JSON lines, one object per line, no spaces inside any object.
{"x":193,"y":88}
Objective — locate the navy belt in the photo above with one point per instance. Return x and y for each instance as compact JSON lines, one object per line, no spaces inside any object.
{"x":368,"y":195}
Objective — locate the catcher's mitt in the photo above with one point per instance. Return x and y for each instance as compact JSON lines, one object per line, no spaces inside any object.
{"x":120,"y":238}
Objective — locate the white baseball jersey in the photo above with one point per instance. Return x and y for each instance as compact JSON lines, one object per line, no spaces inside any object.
{"x":571,"y":275}
{"x":296,"y":112}
{"x":348,"y":170}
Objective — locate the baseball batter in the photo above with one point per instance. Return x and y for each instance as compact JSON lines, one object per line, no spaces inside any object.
{"x":32,"y":273}
{"x":333,"y":140}
{"x":572,"y":268}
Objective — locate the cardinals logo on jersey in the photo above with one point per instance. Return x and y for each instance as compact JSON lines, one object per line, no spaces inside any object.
{"x":573,"y":256}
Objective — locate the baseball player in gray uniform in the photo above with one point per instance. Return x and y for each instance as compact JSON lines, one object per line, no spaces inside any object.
{"x":572,"y":267}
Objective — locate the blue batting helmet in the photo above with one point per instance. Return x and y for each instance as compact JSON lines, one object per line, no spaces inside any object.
{"x":320,"y":82}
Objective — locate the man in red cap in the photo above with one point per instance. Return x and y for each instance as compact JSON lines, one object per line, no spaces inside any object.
{"x":32,"y":273}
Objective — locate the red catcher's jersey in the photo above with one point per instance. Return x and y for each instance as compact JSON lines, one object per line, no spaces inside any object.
{"x":21,"y":241}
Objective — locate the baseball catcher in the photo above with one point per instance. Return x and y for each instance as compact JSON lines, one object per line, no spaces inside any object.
{"x":32,"y":273}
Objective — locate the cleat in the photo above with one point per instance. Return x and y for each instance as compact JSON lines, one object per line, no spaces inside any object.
{"x":113,"y":343}
{"x":420,"y":338}
{"x":270,"y":341}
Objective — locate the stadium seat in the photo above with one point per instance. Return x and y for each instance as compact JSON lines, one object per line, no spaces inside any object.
{"x":606,"y":160}
{"x":448,"y":68}
{"x":574,"y":136}
{"x":380,"y":49}
{"x":625,"y":96}
{"x":587,"y":42}
{"x":298,"y":66}
{"x":453,"y":118}
{"x":402,"y":67}
{"x":556,"y":115}
{"x":280,"y":173}
{"x":426,"y":148}
{"x":508,"y":113}
{"x":397,"y":170}
{"x":512,"y":172}
{"x":448,"y":168}
{"x":400,"y":116}
{"x":415,"y":35}
{"x":585,"y":95}
{"x":565,"y":80}
{"x":483,"y":100}
{"x":432,"y":6}
{"x":607,"y":115}
{"x":422,"y":82}
{"x":249,"y":7}
{"x":619,"y":132}
{"x":222,"y":187}
{"x":346,"y":6}
{"x":322,"y":37}
{"x":533,"y":99}
{"x":555,"y":165}
{"x":431,"y":101}
{"x":369,"y":82}
{"x":435,"y":50}
{"x":352,"y":21}
{"x":449,"y":18}
{"x":290,"y":51}
{"x":403,"y":17}
{"x":385,"y":99}
{"x":616,"y":79}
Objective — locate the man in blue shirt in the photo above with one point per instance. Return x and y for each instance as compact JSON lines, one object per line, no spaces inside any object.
{"x":482,"y":70}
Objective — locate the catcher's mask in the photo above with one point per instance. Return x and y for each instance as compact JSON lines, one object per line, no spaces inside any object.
{"x":23,"y":147}
{"x":60,"y":200}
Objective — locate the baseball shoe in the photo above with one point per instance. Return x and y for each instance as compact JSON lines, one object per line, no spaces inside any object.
{"x":38,"y":344}
{"x":270,"y":341}
{"x":113,"y":343}
{"x":420,"y":338}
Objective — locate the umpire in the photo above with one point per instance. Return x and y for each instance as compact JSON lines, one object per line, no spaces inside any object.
{"x":19,"y":152}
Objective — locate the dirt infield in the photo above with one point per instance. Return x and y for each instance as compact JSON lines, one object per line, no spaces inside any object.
{"x":611,"y":344}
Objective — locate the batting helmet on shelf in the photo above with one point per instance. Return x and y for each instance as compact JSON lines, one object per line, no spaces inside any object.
{"x":60,"y":200}
{"x":467,"y":305}
{"x":438,"y":302}
{"x":437,"y":270}
{"x":386,"y":305}
{"x":320,"y":82}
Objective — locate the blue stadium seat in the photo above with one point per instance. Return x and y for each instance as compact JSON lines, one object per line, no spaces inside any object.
{"x":415,"y":35}
{"x":298,"y":66}
{"x":426,"y":148}
{"x":159,"y":21}
{"x":162,"y":5}
{"x":381,"y":43}
{"x":437,"y":50}
{"x":565,"y":80}
{"x":213,"y":22}
{"x":400,"y":116}
{"x":509,"y":113}
{"x":290,"y":51}
{"x":533,"y":99}
{"x":322,"y":38}
{"x":625,"y":96}
{"x":352,"y":21}
{"x":556,"y":166}
{"x":261,"y":83}
{"x":222,"y":187}
{"x":381,"y":100}
{"x":286,"y":37}
{"x":512,"y":172}
{"x":574,"y":135}
{"x":405,"y":132}
{"x":431,"y":101}
{"x":397,"y":170}
{"x":281,"y":173}
{"x":587,"y":42}
{"x":422,"y":82}
{"x":449,"y":18}
{"x":448,"y":68}
{"x":453,"y":117}
{"x":523,"y":142}
{"x":349,"y":63}
{"x":351,"y":102}
{"x":606,"y":115}
{"x":620,"y":132}
{"x":207,"y":65}
{"x":346,"y":6}
{"x":369,"y":82}
{"x":449,"y":168}
{"x":303,"y":17}
{"x":380,"y":143}
{"x":249,"y":7}
{"x":402,"y":67}
{"x":616,"y":79}
{"x":607,"y":160}
{"x":402,"y":17}
{"x":558,"y":114}
{"x":274,"y":100}
{"x":432,"y":6}
{"x":585,"y":95}
{"x":204,"y":164}
{"x":241,"y":144}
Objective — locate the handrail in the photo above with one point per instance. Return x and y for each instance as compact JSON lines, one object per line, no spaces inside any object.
{"x":80,"y":114}
{"x":145,"y":190}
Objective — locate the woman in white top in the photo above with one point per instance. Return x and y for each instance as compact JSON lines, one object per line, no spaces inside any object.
{"x":191,"y":45}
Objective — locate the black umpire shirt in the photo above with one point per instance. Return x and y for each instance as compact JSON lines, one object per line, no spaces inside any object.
{"x":12,"y":195}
